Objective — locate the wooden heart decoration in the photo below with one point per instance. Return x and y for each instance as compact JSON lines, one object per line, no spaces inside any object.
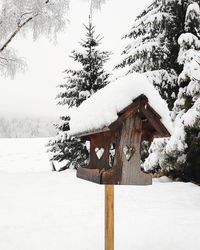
{"x":99,"y":152}
{"x":129,"y":152}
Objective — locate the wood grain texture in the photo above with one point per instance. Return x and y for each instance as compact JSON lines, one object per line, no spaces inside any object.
{"x":109,"y":217}
{"x":131,"y":136}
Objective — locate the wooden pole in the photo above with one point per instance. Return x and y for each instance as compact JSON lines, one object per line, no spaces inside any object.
{"x":109,"y":217}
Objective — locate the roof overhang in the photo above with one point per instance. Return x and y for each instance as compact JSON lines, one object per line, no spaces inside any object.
{"x":138,"y":105}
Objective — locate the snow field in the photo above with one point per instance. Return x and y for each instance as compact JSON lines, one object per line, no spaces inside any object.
{"x":56,"y":211}
{"x":24,"y":155}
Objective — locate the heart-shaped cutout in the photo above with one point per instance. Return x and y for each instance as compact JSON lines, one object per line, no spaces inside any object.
{"x":99,"y":152}
{"x":129,"y":152}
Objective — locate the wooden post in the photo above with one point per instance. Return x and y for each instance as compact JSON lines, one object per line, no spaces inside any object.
{"x":109,"y":217}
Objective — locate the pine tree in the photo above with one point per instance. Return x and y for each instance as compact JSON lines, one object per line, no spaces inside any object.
{"x":183,"y":149}
{"x":79,"y":85}
{"x":180,"y":156}
{"x":153,"y":46}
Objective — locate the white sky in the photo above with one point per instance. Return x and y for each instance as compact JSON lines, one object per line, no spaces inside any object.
{"x":34,"y":91}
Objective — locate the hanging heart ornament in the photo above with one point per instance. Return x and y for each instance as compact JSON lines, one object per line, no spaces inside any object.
{"x":129,"y":152}
{"x":99,"y":152}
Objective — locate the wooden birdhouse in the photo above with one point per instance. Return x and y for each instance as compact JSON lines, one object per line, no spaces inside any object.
{"x":115,"y":132}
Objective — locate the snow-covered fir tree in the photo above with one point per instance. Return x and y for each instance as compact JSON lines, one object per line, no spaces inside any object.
{"x":153,"y":48}
{"x":180,"y":155}
{"x":79,"y":85}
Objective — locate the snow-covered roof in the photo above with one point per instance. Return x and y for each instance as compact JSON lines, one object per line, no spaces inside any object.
{"x":101,"y":109}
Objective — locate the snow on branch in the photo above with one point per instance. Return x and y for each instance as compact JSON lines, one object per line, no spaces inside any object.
{"x":10,"y":63}
{"x":151,"y":21}
{"x":96,"y":4}
{"x":41,"y":17}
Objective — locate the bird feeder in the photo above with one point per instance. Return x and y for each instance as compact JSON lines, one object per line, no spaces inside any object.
{"x":115,"y":132}
{"x":115,"y":150}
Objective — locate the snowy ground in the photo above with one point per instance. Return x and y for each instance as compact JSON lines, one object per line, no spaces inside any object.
{"x":43,"y":210}
{"x":24,"y":155}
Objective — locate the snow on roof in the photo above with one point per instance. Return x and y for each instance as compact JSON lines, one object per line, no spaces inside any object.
{"x":101,"y":109}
